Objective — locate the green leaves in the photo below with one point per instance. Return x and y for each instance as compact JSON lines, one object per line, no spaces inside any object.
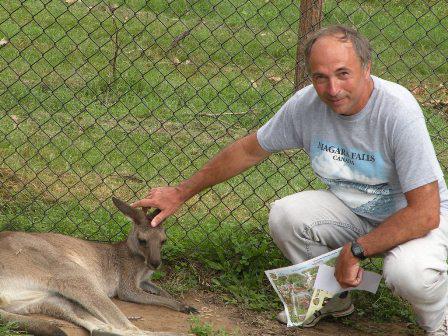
{"x":206,"y":329}
{"x":238,"y":266}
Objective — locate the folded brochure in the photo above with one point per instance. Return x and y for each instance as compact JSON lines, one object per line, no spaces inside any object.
{"x":306,"y":287}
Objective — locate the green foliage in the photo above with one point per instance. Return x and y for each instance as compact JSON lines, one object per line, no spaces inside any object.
{"x":177,"y":277}
{"x":383,"y":306}
{"x":238,"y":267}
{"x":199,"y":328}
{"x":157,"y":275}
{"x":8,"y":330}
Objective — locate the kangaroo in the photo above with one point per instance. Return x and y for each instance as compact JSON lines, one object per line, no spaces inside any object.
{"x":74,"y":279}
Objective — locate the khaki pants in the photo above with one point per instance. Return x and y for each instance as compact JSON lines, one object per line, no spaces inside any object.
{"x":310,"y":223}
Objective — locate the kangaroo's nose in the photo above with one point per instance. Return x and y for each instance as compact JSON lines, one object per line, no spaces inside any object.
{"x":155,"y":263}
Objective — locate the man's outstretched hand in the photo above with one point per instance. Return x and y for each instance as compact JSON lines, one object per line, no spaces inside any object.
{"x":167,"y":199}
{"x":348,"y":272}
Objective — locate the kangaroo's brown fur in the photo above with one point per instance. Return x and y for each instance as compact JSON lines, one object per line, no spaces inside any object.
{"x":74,"y":279}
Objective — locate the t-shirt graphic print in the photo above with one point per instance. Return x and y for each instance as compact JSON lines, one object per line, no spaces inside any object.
{"x":358,"y":178}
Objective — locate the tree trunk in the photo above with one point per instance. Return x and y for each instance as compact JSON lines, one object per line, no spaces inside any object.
{"x":310,"y":20}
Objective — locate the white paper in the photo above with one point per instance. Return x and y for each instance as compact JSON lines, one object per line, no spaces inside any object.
{"x":325,"y":280}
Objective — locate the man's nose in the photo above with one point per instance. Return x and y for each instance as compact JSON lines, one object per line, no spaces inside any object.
{"x":333,"y":87}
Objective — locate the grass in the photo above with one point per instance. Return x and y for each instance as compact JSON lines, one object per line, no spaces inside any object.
{"x":7,"y":330}
{"x":200,"y":328}
{"x":97,"y":101}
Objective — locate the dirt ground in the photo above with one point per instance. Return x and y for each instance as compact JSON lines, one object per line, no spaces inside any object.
{"x":239,"y":322}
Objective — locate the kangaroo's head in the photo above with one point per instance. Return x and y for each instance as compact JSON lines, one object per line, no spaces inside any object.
{"x":143,"y":240}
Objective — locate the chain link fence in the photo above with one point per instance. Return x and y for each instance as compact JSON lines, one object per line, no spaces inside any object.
{"x":102,"y":98}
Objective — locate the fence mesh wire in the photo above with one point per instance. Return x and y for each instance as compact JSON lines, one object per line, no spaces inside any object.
{"x":103,"y":98}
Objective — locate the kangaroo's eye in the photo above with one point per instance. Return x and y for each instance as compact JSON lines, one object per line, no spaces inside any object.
{"x":142,"y":242}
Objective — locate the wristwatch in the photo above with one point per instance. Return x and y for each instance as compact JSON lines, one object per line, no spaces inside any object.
{"x":357,"y":250}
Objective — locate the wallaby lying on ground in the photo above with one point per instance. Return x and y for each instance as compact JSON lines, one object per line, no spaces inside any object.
{"x":74,"y":279}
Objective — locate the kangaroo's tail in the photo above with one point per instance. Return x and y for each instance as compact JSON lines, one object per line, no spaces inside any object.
{"x":32,"y":325}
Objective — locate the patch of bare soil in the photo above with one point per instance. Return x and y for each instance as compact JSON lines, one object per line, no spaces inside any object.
{"x":241,"y":322}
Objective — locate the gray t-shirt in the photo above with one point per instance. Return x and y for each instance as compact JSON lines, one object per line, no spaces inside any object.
{"x":368,"y":160}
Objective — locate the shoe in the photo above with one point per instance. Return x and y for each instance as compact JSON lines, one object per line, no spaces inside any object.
{"x":443,"y":329}
{"x":337,"y":307}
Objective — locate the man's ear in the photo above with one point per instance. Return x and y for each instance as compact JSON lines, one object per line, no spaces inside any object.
{"x":367,"y":69}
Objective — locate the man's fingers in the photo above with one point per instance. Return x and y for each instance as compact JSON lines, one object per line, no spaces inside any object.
{"x":143,"y":203}
{"x":354,"y":281}
{"x":349,"y":284}
{"x":158,"y":219}
{"x":164,"y":198}
{"x":359,"y":276}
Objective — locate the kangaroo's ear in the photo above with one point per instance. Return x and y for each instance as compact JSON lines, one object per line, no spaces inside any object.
{"x":137,"y":215}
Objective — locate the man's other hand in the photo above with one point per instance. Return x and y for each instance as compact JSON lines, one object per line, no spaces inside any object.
{"x":348,"y":272}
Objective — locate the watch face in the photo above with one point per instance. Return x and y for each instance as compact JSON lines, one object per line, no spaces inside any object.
{"x":357,"y":250}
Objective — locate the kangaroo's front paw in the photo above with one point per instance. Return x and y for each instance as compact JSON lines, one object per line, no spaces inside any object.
{"x":108,"y":330}
{"x":189,"y":310}
{"x":105,"y":332}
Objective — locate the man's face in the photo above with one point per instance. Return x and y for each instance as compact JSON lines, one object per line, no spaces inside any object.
{"x":338,"y":77}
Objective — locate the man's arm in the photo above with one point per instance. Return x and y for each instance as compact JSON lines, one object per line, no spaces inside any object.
{"x":421,"y":215}
{"x":232,"y":160}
